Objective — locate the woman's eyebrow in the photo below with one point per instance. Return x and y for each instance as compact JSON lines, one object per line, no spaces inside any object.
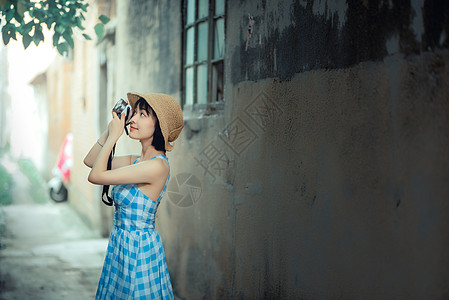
{"x":143,"y":111}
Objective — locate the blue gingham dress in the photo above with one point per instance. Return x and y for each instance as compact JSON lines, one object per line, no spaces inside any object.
{"x":135,"y":266}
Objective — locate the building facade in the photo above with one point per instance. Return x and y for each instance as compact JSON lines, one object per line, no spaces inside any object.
{"x":313,"y":162}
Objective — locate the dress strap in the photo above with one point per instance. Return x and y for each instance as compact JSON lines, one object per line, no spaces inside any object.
{"x":161,"y":156}
{"x":157,"y":156}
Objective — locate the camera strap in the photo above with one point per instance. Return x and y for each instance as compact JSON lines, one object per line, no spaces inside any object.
{"x":126,"y":128}
{"x":105,"y":194}
{"x":108,"y":200}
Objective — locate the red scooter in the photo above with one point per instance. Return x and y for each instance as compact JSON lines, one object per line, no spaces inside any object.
{"x":61,"y":172}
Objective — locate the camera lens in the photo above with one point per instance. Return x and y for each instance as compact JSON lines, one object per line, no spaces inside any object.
{"x":120,"y":107}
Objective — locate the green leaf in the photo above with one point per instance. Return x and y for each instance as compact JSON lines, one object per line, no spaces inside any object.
{"x":62,"y":48}
{"x":68,"y":37}
{"x":104,"y":19}
{"x":38,"y":26}
{"x":18,"y":17}
{"x":72,"y":11}
{"x":5,"y":35}
{"x":9,"y":14}
{"x":27,"y":39}
{"x":87,"y":37}
{"x":84,"y":7}
{"x":38,"y":14}
{"x":8,"y":32}
{"x":56,"y":37}
{"x":38,"y":36}
{"x":78,"y":23}
{"x":36,"y":41}
{"x":59,"y":28}
{"x":99,"y":30}
{"x":27,"y":27}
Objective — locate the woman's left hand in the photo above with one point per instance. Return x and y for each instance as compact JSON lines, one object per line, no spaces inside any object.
{"x":116,"y":126}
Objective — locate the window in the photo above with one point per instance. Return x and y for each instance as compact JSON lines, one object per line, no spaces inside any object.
{"x":204,"y":34}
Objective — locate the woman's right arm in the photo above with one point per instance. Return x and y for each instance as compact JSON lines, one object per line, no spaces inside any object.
{"x":117,"y":161}
{"x":92,"y":155}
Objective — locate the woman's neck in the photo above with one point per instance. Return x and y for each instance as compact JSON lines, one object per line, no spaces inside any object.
{"x":148,"y":150}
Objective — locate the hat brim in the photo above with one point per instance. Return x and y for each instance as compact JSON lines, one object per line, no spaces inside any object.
{"x":154,"y":102}
{"x":133,"y":98}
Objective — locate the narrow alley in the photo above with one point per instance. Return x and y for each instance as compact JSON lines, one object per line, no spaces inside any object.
{"x":46,"y":251}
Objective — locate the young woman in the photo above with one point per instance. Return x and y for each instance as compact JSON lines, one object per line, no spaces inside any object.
{"x":135,"y":266}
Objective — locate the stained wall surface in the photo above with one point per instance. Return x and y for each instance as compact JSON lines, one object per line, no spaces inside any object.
{"x":84,"y":95}
{"x":325,"y":176}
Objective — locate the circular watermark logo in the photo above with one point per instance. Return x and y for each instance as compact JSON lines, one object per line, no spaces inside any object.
{"x":184,"y":190}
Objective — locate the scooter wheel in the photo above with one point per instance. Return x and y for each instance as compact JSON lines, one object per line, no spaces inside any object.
{"x":58,"y":195}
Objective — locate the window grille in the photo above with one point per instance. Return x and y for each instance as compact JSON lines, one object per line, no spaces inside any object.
{"x":203,"y":52}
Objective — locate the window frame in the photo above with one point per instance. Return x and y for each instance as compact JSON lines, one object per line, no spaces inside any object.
{"x":211,"y":104}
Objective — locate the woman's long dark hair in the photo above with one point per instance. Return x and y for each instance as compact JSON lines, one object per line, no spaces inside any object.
{"x":158,"y":138}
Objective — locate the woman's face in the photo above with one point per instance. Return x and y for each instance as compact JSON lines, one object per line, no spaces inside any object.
{"x":142,"y":124}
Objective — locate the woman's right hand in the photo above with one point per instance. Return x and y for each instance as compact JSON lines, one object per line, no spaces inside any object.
{"x":116,"y":126}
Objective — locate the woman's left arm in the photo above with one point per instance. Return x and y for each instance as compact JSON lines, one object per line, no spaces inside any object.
{"x":145,"y":172}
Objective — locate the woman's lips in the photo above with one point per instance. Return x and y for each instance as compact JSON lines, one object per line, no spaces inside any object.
{"x":132,"y":128}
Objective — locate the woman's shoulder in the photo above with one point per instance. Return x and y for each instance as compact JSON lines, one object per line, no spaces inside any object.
{"x":123,"y":161}
{"x":160,"y":160}
{"x":157,"y":166}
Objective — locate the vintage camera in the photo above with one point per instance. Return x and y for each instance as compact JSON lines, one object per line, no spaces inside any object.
{"x":123,"y":106}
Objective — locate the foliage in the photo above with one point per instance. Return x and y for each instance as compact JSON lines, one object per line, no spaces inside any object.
{"x":38,"y":185}
{"x":6,"y":183}
{"x":4,"y":149}
{"x":27,"y":18}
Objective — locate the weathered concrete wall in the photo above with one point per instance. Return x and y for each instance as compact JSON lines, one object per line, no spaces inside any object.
{"x":83,"y":196}
{"x":289,"y":37}
{"x":148,"y":47}
{"x":88,"y":97}
{"x":148,"y":53}
{"x":342,"y":192}
{"x":324,"y":176}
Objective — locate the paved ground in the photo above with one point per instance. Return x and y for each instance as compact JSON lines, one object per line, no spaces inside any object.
{"x":46,"y":251}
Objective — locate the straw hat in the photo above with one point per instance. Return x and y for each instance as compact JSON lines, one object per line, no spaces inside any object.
{"x":168,"y":112}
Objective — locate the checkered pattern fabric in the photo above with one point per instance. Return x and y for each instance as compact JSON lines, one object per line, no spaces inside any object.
{"x":135,"y":266}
